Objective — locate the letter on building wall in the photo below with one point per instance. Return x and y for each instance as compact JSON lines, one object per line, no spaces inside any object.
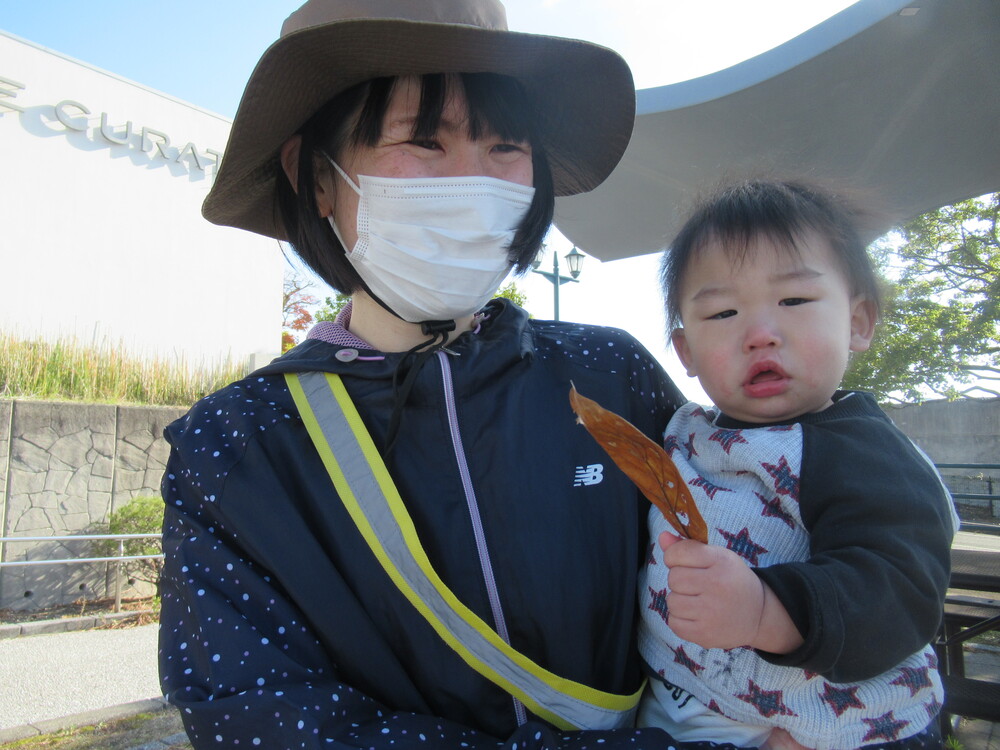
{"x":8,"y":90}
{"x":162,"y":141}
{"x":73,"y":123}
{"x":109,"y":134}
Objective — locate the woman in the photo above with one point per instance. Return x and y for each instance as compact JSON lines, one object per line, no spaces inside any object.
{"x":395,"y":534}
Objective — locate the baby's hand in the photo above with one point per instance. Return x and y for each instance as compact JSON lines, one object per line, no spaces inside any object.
{"x":779,"y":739}
{"x":715,"y":599}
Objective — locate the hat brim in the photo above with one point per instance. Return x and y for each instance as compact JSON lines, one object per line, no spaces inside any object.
{"x":583,"y":94}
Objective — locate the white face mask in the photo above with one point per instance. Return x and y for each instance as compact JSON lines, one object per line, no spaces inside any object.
{"x":434,"y":248}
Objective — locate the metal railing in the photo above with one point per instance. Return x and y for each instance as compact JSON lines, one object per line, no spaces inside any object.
{"x":118,"y":559}
{"x":987,"y":528}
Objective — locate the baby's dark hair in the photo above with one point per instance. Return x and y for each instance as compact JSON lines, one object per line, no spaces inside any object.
{"x":780,"y":211}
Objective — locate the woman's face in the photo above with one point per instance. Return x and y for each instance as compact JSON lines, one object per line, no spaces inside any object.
{"x":450,"y":153}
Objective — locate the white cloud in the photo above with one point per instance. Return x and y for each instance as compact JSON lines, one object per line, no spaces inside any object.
{"x":671,"y":40}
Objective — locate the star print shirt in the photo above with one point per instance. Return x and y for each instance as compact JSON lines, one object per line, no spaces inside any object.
{"x":850,"y":525}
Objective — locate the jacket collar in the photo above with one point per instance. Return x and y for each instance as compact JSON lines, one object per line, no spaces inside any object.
{"x":503,"y":338}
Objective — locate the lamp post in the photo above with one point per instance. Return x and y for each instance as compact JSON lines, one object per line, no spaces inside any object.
{"x":574,"y":260}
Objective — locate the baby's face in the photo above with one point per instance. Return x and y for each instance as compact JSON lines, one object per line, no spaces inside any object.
{"x":769,"y":337}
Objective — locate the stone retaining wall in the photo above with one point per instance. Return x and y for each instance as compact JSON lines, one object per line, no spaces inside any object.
{"x":64,"y":467}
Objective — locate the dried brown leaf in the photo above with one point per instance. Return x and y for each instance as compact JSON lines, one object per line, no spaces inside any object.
{"x":645,"y":463}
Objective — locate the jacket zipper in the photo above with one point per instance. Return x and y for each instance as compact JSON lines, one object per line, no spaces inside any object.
{"x":477,"y":523}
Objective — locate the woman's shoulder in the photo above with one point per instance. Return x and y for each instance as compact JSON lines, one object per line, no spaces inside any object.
{"x":611,"y":354}
{"x":233,"y":415}
{"x":589,"y":345}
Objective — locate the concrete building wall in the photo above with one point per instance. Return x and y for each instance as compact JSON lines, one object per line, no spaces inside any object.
{"x":103,"y":240}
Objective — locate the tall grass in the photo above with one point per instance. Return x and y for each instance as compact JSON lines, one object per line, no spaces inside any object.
{"x":66,"y":370}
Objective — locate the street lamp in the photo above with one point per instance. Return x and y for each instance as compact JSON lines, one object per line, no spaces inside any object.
{"x":574,"y":260}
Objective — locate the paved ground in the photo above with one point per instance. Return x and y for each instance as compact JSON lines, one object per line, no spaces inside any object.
{"x":50,"y":676}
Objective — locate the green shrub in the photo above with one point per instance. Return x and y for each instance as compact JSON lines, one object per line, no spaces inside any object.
{"x":141,"y":515}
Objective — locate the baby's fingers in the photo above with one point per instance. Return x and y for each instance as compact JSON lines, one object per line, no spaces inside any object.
{"x":666,"y":539}
{"x":687,"y":553}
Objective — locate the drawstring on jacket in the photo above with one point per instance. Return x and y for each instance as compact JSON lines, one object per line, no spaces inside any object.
{"x":438,"y":331}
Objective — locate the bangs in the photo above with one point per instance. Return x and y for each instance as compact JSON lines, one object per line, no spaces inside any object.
{"x":740,"y":245}
{"x":782,"y":213}
{"x":497,"y":106}
{"x":746,"y":213}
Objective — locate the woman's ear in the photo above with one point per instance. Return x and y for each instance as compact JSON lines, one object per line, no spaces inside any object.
{"x":290,"y":151}
{"x":679,"y":340}
{"x":864,"y":315}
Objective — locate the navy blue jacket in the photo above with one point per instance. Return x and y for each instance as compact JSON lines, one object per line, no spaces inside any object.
{"x":279,"y":628}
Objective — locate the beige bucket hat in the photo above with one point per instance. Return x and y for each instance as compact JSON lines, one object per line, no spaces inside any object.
{"x":584,"y":93}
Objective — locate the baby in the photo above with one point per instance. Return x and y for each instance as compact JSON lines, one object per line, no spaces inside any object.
{"x":812,"y":607}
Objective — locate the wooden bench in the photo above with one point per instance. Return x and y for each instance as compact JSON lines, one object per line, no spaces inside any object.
{"x":966,"y":616}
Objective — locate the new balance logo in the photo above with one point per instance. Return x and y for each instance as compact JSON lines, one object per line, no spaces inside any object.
{"x":592,"y":474}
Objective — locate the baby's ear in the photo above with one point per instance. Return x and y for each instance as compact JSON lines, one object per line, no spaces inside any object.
{"x":864,"y":316}
{"x":679,"y":340}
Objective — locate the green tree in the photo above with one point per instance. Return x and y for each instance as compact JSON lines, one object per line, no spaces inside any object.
{"x":939,"y":333}
{"x":515,"y":295}
{"x":141,"y":515}
{"x":332,"y":306}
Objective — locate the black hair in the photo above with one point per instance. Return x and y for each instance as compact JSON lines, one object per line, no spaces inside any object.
{"x":497,"y":105}
{"x":782,"y":212}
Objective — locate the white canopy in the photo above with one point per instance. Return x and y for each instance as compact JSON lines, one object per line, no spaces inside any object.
{"x":898,"y":99}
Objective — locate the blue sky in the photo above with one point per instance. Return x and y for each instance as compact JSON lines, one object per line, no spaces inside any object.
{"x":203,"y":53}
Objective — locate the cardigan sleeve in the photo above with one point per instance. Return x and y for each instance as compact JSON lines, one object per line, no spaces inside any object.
{"x":880,"y":526}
